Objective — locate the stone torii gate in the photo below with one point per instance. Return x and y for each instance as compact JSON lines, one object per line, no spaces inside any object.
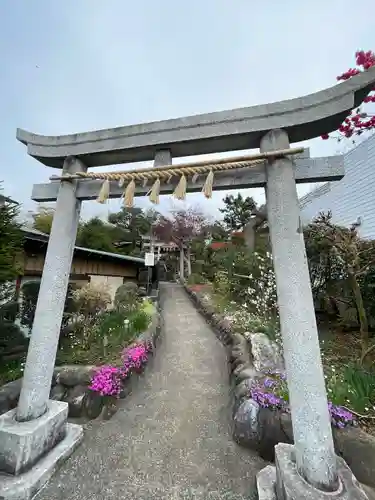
{"x":35,"y":436}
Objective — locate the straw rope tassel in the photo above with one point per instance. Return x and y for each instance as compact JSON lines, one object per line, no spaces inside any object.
{"x":129,"y":194}
{"x":180,"y":191}
{"x":154,"y":193}
{"x":104,"y":192}
{"x":207,"y":188}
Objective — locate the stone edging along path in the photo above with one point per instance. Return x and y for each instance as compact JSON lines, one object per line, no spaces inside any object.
{"x":70,"y":383}
{"x":260,"y":429}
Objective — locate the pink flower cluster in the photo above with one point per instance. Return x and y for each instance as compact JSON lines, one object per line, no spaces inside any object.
{"x":364,"y":60}
{"x":358,"y":121}
{"x":107,"y":379}
{"x":135,"y":356}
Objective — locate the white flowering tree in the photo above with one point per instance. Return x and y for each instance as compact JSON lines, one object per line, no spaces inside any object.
{"x":249,"y":293}
{"x":261,"y":292}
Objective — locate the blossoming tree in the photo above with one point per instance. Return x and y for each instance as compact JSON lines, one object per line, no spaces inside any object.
{"x":181,"y":228}
{"x":361,"y":119}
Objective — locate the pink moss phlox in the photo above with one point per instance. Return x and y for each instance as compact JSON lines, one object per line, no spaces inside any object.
{"x":107,"y":379}
{"x":135,"y":356}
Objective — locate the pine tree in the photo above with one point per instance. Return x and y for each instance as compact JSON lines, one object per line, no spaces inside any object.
{"x":237,"y":211}
{"x":11,"y":240}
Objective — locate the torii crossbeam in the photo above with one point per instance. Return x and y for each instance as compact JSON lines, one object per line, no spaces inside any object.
{"x":233,"y":130}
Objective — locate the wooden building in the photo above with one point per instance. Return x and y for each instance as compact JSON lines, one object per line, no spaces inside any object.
{"x":88,"y":265}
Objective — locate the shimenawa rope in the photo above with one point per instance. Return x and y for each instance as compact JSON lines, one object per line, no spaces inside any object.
{"x":169,"y":171}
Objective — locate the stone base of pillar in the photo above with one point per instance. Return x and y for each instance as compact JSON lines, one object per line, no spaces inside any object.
{"x":266,"y":483}
{"x":284,"y":483}
{"x":30,"y":451}
{"x":23,"y":443}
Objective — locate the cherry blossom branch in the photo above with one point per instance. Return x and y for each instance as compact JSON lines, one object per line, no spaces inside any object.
{"x":358,"y":121}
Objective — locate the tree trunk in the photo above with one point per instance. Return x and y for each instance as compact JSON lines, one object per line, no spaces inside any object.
{"x":182,"y":264}
{"x":363,"y":323}
{"x":249,"y":234}
{"x":105,"y":345}
{"x":188,"y":261}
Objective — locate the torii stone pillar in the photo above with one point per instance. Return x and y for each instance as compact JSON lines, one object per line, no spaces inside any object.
{"x":37,"y":431}
{"x":314,"y":450}
{"x":45,"y":334}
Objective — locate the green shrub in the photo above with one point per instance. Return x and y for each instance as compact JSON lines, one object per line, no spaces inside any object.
{"x":367,"y":284}
{"x":244,"y":321}
{"x":198,"y":267}
{"x":353,"y":387}
{"x":361,"y":387}
{"x":29,"y":293}
{"x":222,"y":284}
{"x":11,"y":336}
{"x":29,"y":296}
{"x":148,"y":307}
{"x":89,"y":302}
{"x":127,"y":296}
{"x":70,"y":307}
{"x":11,"y":370}
{"x":196,"y":279}
{"x":139,"y":321}
{"x":9,"y":311}
{"x":92,"y":299}
{"x":112,"y":324}
{"x":13,"y":348}
{"x":11,"y":242}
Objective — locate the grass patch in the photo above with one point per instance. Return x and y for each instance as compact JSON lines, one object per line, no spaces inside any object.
{"x":73,"y":351}
{"x":11,"y":370}
{"x":349,"y":383}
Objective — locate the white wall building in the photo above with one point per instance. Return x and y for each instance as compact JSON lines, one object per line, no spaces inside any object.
{"x":353,"y":198}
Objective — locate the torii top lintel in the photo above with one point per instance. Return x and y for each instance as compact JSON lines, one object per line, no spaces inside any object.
{"x":238,"y":129}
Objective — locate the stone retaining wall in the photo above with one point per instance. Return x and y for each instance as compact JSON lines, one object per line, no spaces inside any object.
{"x":262,"y":428}
{"x":70,"y":383}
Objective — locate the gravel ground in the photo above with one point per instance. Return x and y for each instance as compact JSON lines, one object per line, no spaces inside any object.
{"x":170,"y":439}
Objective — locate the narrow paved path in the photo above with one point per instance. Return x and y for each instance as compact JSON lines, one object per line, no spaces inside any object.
{"x":171,"y":437}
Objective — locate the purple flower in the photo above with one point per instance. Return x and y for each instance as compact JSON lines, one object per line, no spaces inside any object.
{"x":266,"y":399}
{"x":340,"y":417}
{"x":264,"y":395}
{"x":269,"y":382}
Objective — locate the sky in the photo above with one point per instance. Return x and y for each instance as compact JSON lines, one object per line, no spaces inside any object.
{"x":81,"y":65}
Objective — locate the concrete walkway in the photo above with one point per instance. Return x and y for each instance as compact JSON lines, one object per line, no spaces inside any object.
{"x":171,"y":437}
